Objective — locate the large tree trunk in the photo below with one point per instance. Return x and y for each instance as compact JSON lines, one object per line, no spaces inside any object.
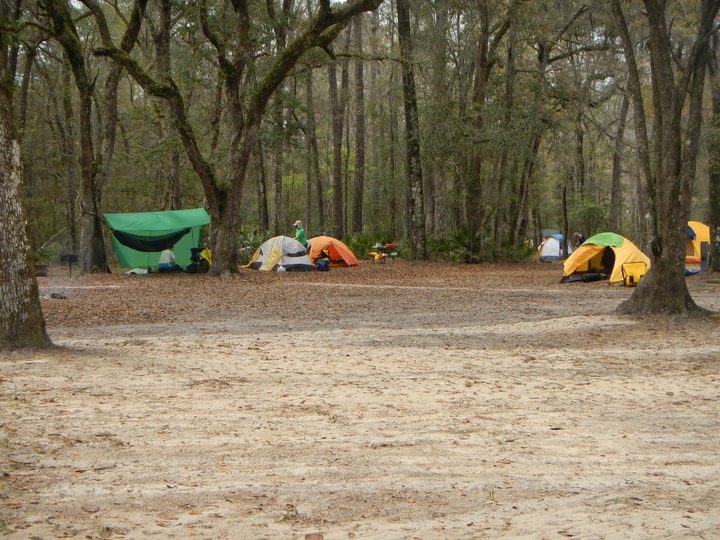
{"x":93,"y":174}
{"x":21,"y":320}
{"x":663,"y":289}
{"x":376,"y":175}
{"x":226,"y":246}
{"x":413,"y":169}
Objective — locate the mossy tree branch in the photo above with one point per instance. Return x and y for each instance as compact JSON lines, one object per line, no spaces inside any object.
{"x":323,"y":29}
{"x":169,"y":91}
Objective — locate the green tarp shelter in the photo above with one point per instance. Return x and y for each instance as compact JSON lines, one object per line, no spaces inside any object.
{"x":139,"y":238}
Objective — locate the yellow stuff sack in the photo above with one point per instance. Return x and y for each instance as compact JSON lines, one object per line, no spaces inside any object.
{"x":632,"y":272}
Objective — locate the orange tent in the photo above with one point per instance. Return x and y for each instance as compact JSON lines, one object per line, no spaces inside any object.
{"x":327,"y":246}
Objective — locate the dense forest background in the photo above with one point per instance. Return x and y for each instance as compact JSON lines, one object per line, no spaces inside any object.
{"x":519,"y":106}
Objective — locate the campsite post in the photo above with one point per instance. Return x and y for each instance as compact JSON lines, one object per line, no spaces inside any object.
{"x":69,"y":258}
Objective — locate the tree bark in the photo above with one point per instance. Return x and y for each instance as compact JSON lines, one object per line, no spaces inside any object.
{"x":21,"y":320}
{"x":413,"y":168}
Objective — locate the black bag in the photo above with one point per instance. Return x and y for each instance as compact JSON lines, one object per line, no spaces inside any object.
{"x":322,"y":266}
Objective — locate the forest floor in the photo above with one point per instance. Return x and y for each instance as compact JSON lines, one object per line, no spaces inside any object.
{"x":390,"y":401}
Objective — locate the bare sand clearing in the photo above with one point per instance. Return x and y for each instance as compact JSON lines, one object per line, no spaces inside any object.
{"x":393,"y":401}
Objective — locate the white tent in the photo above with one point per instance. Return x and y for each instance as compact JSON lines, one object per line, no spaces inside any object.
{"x":552,"y":248}
{"x":281,"y":253}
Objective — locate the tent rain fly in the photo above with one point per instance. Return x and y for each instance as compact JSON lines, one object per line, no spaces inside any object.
{"x":138,"y":238}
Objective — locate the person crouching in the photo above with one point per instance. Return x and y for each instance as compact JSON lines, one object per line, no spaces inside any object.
{"x":167,"y":260}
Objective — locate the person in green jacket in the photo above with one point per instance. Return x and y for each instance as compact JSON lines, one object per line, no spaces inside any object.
{"x":300,"y":234}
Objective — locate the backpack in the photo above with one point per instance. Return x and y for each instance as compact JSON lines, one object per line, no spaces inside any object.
{"x":322,"y":266}
{"x":632,"y":273}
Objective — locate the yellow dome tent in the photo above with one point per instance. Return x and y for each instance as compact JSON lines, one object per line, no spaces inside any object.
{"x":604,"y":254}
{"x":697,"y":233}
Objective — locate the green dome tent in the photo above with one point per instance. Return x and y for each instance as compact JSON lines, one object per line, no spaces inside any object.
{"x":138,"y":238}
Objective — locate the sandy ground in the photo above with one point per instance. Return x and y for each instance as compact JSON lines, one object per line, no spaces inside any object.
{"x":393,"y":401}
